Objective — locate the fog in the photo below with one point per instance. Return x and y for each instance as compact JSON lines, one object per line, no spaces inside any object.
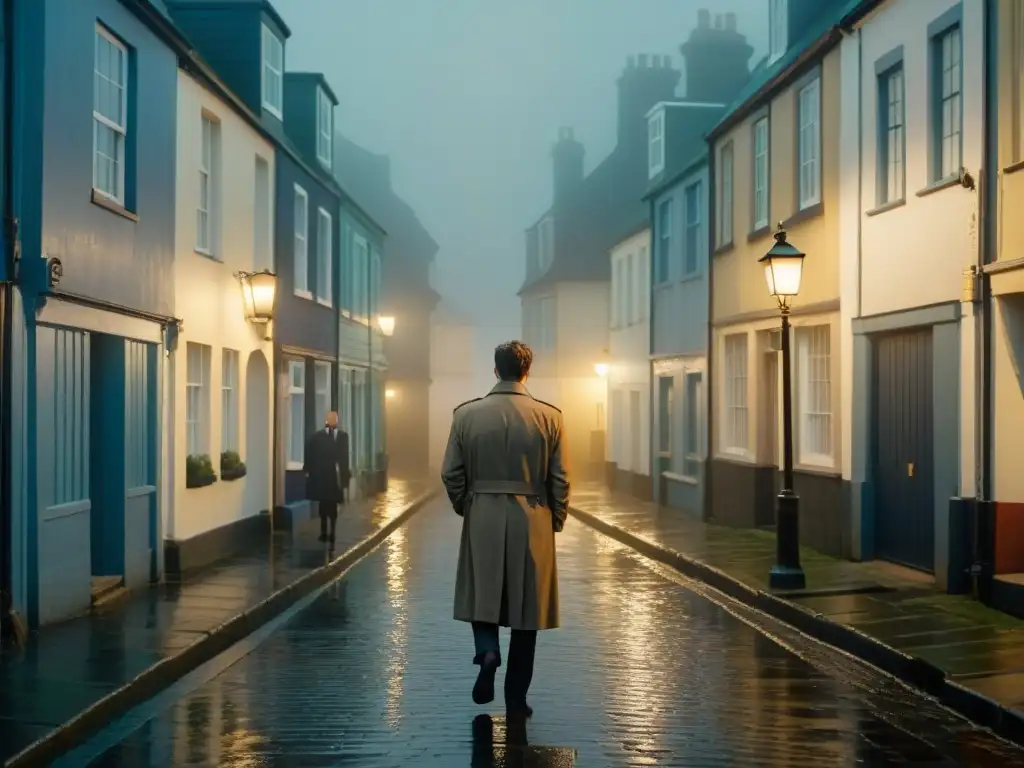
{"x":466,"y":97}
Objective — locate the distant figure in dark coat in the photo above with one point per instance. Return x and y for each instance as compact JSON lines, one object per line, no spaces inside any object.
{"x":327,"y":472}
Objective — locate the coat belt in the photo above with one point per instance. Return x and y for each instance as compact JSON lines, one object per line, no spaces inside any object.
{"x":513,"y":487}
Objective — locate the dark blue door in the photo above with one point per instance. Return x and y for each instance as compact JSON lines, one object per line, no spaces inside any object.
{"x":902,"y":449}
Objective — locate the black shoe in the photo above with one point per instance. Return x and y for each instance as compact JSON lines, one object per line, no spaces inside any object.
{"x":483,"y":690}
{"x":518,"y":709}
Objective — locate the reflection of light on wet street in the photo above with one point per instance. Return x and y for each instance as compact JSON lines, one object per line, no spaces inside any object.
{"x":397,"y":574}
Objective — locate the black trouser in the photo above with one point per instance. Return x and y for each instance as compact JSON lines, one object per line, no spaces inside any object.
{"x":328,"y":511}
{"x":522,"y":650}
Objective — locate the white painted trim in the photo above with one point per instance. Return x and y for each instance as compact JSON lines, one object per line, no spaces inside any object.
{"x":68,"y":315}
{"x":276,"y":111}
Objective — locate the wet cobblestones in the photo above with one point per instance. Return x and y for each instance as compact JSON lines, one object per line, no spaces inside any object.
{"x":646,"y":671}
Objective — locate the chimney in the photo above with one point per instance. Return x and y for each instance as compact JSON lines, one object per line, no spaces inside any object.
{"x":717,"y":59}
{"x":645,"y":81}
{"x":567,"y":156}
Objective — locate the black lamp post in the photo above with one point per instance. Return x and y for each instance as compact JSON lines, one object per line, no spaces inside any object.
{"x":783,"y":269}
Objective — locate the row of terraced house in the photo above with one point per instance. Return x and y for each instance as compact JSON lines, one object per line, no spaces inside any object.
{"x":190,"y":282}
{"x":884,"y":137}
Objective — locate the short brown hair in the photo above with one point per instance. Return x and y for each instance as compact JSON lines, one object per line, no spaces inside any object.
{"x":512,"y":360}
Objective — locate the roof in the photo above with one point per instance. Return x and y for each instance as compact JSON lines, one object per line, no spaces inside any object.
{"x":155,"y":14}
{"x":820,"y":36}
{"x":263,"y":5}
{"x":318,"y":78}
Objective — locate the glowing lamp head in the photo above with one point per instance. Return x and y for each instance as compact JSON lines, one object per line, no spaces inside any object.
{"x":259,"y":292}
{"x":601,"y":369}
{"x":386,"y":323}
{"x":783,"y":269}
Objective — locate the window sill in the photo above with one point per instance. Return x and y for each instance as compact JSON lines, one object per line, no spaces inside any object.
{"x":759,"y":233}
{"x":938,"y":186}
{"x":108,"y":203}
{"x":294,"y":466}
{"x":689,"y":278}
{"x":804,"y":214}
{"x":736,"y":456}
{"x":324,"y":302}
{"x":680,"y":478}
{"x":1013,"y":168}
{"x":724,"y":248}
{"x":303,"y":294}
{"x":206,"y":254}
{"x":823,"y":468}
{"x":271,"y":109}
{"x":891,"y":205}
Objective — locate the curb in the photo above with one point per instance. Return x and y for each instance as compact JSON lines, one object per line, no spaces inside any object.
{"x":912,"y":670}
{"x":147,"y":684}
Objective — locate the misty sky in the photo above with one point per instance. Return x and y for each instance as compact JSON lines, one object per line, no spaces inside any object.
{"x":466,"y":96}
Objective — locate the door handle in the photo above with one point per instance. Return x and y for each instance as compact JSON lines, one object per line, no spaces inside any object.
{"x":910,"y":469}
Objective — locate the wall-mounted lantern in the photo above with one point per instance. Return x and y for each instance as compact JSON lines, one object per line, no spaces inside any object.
{"x":259,"y":293}
{"x":386,"y":323}
{"x":389,"y":393}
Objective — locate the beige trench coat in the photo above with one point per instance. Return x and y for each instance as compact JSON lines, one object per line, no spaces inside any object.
{"x":505,"y":473}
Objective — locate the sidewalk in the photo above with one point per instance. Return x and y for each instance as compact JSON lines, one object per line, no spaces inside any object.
{"x":970,"y":656}
{"x":164,"y":632}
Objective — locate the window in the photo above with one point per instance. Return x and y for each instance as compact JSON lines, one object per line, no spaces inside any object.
{"x":664,"y":240}
{"x":324,"y":253}
{"x":666,"y":387}
{"x":346,"y":410}
{"x":947,"y":85}
{"x":109,"y":115}
{"x":815,"y":394}
{"x":197,"y":399}
{"x":301,"y":251}
{"x":229,"y":401}
{"x":322,"y":371}
{"x":263,"y":219}
{"x":736,"y":414}
{"x":360,"y":276}
{"x":761,"y":174}
{"x":810,"y":144}
{"x":545,"y":244}
{"x":643,"y":283}
{"x":693,"y":244}
{"x":778,"y":23}
{"x":374,"y":283}
{"x":325,"y":128}
{"x":273,"y":73}
{"x":206,"y":213}
{"x":656,"y":144}
{"x":892,"y":144}
{"x":692,"y":426}
{"x":296,"y":413}
{"x":627,"y":292}
{"x":725,"y":203}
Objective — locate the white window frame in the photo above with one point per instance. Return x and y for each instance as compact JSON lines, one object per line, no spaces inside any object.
{"x":322,"y":383}
{"x":725,"y":200}
{"x":692,"y":226}
{"x":778,"y":29}
{"x":809,"y":143}
{"x":360,"y":278}
{"x":229,"y":390}
{"x":693,"y":449}
{"x":205,"y":216}
{"x":270,"y":71}
{"x":892,"y":99}
{"x":325,"y":129}
{"x":102,"y":122}
{"x":295,"y":460}
{"x":324,"y":260}
{"x":300,"y":250}
{"x":948,"y":102}
{"x":736,"y":408}
{"x":656,"y":143}
{"x":197,"y":399}
{"x":814,"y":395}
{"x":628,"y":290}
{"x":664,"y":244}
{"x":762,"y":173}
{"x":263,"y":220}
{"x":644,"y":282}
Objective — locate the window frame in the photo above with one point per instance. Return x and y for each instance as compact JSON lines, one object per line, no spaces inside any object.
{"x":208,"y":161}
{"x":319,"y":392}
{"x":360,"y":278}
{"x":726,"y":201}
{"x":809,"y":381}
{"x":666,"y":417}
{"x":692,"y":191}
{"x":693,"y":442}
{"x":778,"y":29}
{"x":891,"y":185}
{"x":121,"y":149}
{"x":293,"y":365}
{"x":663,"y":263}
{"x":324,"y":258}
{"x":761,"y":165}
{"x":656,"y":143}
{"x":269,"y":36}
{"x":736,"y":402}
{"x":197,"y":425}
{"x":947,"y":25}
{"x":303,"y":291}
{"x":324,"y":141}
{"x":643,"y":282}
{"x":808,"y":135}
{"x":229,"y":398}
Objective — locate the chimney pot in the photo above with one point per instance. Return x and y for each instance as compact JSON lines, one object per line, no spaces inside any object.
{"x":718,"y":21}
{"x":630,"y":62}
{"x":730,"y":21}
{"x":641,"y":61}
{"x":703,"y":18}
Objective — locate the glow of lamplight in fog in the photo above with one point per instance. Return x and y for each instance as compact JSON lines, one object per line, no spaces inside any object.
{"x":389,"y":393}
{"x":601,"y":369}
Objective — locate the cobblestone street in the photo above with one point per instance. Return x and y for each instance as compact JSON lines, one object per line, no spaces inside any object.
{"x":646,"y":671}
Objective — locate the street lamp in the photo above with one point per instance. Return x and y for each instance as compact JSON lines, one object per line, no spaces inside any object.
{"x":386,"y":323}
{"x":601,"y":369}
{"x":783,"y":270}
{"x":259,"y":294}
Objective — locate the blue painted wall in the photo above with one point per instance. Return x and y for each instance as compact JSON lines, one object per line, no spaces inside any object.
{"x":679,"y":309}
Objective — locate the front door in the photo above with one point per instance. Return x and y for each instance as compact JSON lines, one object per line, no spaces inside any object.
{"x":634,"y":433}
{"x":902,"y":470}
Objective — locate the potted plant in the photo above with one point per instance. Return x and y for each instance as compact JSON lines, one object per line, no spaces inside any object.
{"x":231,"y":466}
{"x":199,"y":471}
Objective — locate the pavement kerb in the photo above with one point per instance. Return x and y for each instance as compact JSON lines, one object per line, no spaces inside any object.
{"x":912,"y":670}
{"x":170,"y":669}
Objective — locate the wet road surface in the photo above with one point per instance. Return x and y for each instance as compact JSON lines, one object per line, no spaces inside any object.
{"x":646,"y":671}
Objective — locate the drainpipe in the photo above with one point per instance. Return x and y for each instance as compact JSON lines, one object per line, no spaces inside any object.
{"x":11,"y":247}
{"x":709,"y":376}
{"x":982,"y":569}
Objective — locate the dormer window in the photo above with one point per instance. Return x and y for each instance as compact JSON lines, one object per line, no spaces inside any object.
{"x":656,"y":143}
{"x":325,"y":127}
{"x":778,"y":29}
{"x":273,"y":73}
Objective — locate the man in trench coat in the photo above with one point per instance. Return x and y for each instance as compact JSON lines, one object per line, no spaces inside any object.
{"x":505,"y":473}
{"x":327,"y":473}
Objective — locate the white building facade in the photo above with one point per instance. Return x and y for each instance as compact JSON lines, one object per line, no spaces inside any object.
{"x":627,"y":438}
{"x":911,"y":139}
{"x":221,"y":402}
